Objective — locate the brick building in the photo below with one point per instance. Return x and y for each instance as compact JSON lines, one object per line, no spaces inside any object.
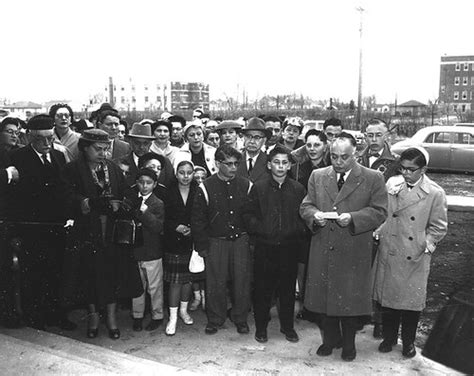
{"x":456,"y":83}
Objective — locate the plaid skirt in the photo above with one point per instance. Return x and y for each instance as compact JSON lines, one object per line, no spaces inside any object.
{"x":176,"y":268}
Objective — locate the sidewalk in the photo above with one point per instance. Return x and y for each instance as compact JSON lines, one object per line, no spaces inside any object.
{"x":225,"y":353}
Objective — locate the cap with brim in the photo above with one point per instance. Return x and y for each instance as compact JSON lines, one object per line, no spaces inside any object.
{"x":40,"y":122}
{"x":141,"y":131}
{"x":423,"y":151}
{"x":228,"y":124}
{"x":257,"y":124}
{"x":95,"y":135}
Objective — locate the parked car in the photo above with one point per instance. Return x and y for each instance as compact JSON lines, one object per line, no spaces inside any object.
{"x":450,"y":148}
{"x":312,"y":124}
{"x":464,"y":125}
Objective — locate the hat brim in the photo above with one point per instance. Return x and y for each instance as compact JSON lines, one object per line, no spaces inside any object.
{"x":267,"y":132}
{"x":95,"y":140}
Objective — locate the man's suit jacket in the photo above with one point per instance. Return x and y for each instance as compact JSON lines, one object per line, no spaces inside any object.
{"x":339,"y":268}
{"x":120,"y":149}
{"x":259,"y":170}
{"x":40,"y":194}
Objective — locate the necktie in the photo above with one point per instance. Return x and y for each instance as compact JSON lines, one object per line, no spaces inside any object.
{"x":340,"y":182}
{"x":410,"y":186}
{"x":45,"y":159}
{"x":250,"y":164}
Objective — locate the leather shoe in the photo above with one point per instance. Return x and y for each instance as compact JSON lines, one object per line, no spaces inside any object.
{"x":324,"y":350}
{"x":348,"y":355}
{"x":92,"y":332}
{"x":114,"y":333}
{"x":153,"y":324}
{"x":137,"y":325}
{"x":66,"y":324}
{"x":290,"y":335}
{"x":210,"y":329}
{"x":385,"y":346}
{"x":261,"y":336}
{"x":242,"y":328}
{"x":409,"y":351}
{"x":377,"y":331}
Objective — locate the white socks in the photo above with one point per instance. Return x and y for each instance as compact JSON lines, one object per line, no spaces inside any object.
{"x":183,"y":313}
{"x":171,"y":326}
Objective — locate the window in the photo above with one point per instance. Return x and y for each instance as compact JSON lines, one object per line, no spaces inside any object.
{"x":457,"y":80}
{"x":456,"y":95}
{"x":470,"y":95}
{"x":134,"y":99}
{"x":133,"y":87}
{"x":465,"y":81}
{"x":464,"y":138}
{"x":122,"y":88}
{"x":438,"y":138}
{"x":455,"y":107}
{"x":472,"y":81}
{"x":115,"y":89}
{"x":122,"y":100}
{"x":146,"y":99}
{"x":457,"y":67}
{"x":146,"y":88}
{"x":466,"y":66}
{"x":464,"y":95}
{"x":158,"y":99}
{"x":463,"y":108}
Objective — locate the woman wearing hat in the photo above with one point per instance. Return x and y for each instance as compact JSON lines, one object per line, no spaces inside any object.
{"x":416,"y":223}
{"x":102,"y":271}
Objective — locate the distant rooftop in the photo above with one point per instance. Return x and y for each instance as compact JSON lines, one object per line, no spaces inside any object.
{"x":23,"y":104}
{"x":412,"y":103}
{"x":457,"y":58}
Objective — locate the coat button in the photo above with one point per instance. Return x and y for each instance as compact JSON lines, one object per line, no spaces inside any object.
{"x":412,"y":218}
{"x":409,"y":258}
{"x":410,"y":238}
{"x":394,"y":215}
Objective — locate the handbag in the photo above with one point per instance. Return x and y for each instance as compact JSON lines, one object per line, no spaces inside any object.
{"x":127,"y":231}
{"x":196,"y":263}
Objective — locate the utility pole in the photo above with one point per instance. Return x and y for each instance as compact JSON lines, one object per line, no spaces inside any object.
{"x":359,"y":95}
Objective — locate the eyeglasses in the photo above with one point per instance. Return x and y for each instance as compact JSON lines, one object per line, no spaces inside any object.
{"x":231,"y":164}
{"x":63,"y":114}
{"x":253,"y":138}
{"x":11,"y":132}
{"x":408,"y":170}
{"x":331,"y":134}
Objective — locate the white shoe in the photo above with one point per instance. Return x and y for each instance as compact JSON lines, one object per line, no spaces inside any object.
{"x":170,"y":328}
{"x":183,"y":313}
{"x":187,"y":319}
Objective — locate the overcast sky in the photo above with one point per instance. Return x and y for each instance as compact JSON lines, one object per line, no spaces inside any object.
{"x":67,"y":49}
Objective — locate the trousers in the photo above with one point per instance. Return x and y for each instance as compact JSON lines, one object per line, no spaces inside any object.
{"x":151,"y":273}
{"x":391,"y":319}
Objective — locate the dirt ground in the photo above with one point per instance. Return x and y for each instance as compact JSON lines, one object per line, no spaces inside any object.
{"x":453,"y":262}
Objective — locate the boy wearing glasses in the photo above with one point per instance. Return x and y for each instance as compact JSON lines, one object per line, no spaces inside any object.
{"x":416,"y":223}
{"x":254,"y":160}
{"x":220,"y":236}
{"x":272,"y":214}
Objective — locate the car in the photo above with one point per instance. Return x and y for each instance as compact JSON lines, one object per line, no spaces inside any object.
{"x":464,"y":125}
{"x":312,"y":124}
{"x":450,"y":148}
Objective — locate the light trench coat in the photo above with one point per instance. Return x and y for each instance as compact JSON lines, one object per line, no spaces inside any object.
{"x":416,"y":219}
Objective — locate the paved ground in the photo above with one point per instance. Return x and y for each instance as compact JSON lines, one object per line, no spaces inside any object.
{"x":227,"y":352}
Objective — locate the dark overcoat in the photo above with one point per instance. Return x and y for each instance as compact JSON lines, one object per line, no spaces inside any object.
{"x":339,"y":279}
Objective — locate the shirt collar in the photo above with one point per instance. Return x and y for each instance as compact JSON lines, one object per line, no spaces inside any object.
{"x":145,"y":197}
{"x":40,"y":156}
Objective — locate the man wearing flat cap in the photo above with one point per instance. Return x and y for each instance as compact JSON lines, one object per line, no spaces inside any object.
{"x":254,"y":160}
{"x":37,"y":207}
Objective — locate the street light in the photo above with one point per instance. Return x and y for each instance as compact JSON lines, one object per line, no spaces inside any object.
{"x":359,"y":95}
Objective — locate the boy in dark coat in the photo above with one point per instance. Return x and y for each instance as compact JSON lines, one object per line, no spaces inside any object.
{"x":272,"y":215}
{"x":150,"y":212}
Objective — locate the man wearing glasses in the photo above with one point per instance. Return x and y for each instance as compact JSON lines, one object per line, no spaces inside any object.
{"x":220,"y":236}
{"x":254,"y":160}
{"x":417,"y":221}
{"x":63,"y":116}
{"x":377,"y":155}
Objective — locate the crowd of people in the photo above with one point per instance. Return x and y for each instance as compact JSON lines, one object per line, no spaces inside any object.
{"x":97,"y":214}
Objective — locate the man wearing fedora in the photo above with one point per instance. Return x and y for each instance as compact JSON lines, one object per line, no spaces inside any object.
{"x":228,"y":131}
{"x":140,"y":139}
{"x":254,"y":160}
{"x":108,"y":121}
{"x":37,"y":206}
